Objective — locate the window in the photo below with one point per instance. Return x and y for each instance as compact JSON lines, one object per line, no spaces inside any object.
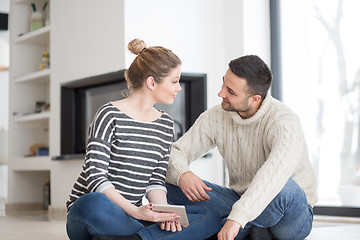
{"x":320,"y":69}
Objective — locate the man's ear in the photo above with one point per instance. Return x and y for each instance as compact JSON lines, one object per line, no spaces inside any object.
{"x":150,"y":82}
{"x":256,"y":98}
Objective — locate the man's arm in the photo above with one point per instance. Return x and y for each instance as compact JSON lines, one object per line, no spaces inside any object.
{"x":197,"y":141}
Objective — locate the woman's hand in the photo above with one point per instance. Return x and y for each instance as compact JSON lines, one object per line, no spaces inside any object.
{"x":159,"y":196}
{"x":171,"y":226}
{"x":146,"y":213}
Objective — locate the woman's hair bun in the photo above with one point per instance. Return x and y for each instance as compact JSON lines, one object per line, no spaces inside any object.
{"x":136,"y":46}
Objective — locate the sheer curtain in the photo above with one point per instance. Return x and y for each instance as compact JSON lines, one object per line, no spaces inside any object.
{"x":321,"y":82}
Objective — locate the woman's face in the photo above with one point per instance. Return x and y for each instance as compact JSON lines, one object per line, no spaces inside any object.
{"x":165,"y":91}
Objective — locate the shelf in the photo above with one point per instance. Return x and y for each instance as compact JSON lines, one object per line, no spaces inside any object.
{"x":22,"y":1}
{"x":4,"y":68}
{"x":32,"y":117}
{"x":26,"y":2}
{"x":38,"y":163}
{"x":41,"y":76}
{"x":40,"y":36}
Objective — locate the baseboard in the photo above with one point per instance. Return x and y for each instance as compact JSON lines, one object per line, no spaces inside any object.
{"x":14,"y":207}
{"x":336,"y":219}
{"x":57,"y":213}
{"x":337,"y":211}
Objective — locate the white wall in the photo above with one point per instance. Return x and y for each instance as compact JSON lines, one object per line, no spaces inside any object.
{"x":86,"y":40}
{"x":4,"y":90}
{"x":256,"y":35}
{"x":4,"y":105}
{"x":4,"y":6}
{"x":205,"y":34}
{"x":91,"y":38}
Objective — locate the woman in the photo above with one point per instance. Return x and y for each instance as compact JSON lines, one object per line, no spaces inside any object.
{"x":127,"y":153}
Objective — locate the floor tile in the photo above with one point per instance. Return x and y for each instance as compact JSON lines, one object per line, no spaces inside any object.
{"x":348,"y":232}
{"x":35,"y":225}
{"x":17,"y":228}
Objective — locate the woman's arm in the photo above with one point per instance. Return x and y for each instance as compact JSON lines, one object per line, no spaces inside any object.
{"x":157,"y":196}
{"x":123,"y":203}
{"x":143,"y":212}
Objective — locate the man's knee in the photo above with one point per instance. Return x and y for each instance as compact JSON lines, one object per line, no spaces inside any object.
{"x":292,"y":190}
{"x":175,"y":194}
{"x":171,"y":187}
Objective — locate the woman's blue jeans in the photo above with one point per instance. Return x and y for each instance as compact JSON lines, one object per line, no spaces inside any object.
{"x":94,"y":214}
{"x":288,"y":216}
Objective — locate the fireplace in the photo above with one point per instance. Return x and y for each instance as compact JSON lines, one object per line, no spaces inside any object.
{"x":80,"y":99}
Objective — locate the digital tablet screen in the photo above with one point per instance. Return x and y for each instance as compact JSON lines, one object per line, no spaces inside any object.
{"x":179,"y":209}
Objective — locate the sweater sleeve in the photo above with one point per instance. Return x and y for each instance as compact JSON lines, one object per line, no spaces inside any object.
{"x":285,"y":141}
{"x":157,"y":179}
{"x":98,"y":152}
{"x":197,"y":141}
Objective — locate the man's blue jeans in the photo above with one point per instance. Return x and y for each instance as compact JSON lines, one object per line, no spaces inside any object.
{"x":288,"y":216}
{"x":94,"y":214}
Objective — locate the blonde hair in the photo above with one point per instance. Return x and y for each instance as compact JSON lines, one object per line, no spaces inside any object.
{"x":150,"y":61}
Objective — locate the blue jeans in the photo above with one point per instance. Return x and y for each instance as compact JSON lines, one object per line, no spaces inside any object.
{"x":94,"y":214}
{"x":288,"y":216}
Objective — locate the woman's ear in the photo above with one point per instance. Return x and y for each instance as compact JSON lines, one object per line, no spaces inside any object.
{"x":150,"y":82}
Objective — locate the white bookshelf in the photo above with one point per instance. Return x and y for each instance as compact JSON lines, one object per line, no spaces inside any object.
{"x":28,"y":85}
{"x":39,"y":163}
{"x":42,"y":76}
{"x":37,"y":37}
{"x":32,"y":117}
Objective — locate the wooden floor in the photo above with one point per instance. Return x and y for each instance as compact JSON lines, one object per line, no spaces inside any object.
{"x":36,"y":226}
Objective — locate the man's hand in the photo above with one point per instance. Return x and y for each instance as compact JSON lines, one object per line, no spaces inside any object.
{"x":193,"y":187}
{"x":229,"y":231}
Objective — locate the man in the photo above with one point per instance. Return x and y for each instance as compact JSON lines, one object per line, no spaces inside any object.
{"x":272,"y":183}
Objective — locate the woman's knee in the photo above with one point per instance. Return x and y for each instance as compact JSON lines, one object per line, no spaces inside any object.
{"x":77,"y":230}
{"x":94,"y":201}
{"x":98,"y":215}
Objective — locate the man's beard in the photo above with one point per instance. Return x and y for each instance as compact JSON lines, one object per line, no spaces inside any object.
{"x":229,"y":108}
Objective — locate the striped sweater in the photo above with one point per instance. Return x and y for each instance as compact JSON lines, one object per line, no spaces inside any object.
{"x":129,"y":155}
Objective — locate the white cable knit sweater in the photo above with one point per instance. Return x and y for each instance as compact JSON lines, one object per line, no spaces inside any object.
{"x":261,"y":153}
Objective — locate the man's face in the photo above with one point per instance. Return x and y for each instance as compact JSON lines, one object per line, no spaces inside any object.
{"x":235,"y":95}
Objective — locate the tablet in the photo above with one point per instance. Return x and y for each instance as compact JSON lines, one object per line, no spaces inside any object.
{"x":179,"y":209}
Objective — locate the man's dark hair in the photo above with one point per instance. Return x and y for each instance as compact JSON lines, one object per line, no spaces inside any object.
{"x":256,"y":73}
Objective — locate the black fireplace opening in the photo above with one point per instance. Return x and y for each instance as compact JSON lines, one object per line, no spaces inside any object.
{"x":80,"y":99}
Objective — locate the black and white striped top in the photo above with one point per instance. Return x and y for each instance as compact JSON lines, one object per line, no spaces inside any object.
{"x":129,"y":155}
